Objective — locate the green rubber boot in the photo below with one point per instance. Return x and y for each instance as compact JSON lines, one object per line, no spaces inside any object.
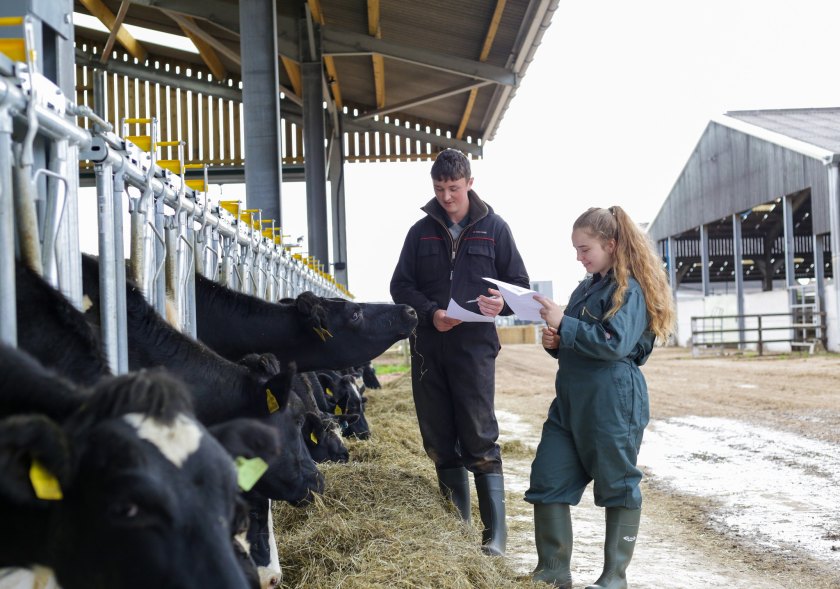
{"x":490,"y":489}
{"x":622,"y":529}
{"x":455,"y":485}
{"x":553,"y":536}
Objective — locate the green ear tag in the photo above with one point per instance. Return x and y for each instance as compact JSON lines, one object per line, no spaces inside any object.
{"x":313,"y":438}
{"x":249,"y":471}
{"x":44,"y":483}
{"x":273,"y":405}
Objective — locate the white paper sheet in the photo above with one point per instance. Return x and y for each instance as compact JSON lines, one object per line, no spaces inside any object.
{"x":456,"y":311}
{"x":519,"y":299}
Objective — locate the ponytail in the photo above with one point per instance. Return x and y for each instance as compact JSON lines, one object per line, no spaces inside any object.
{"x":634,"y":256}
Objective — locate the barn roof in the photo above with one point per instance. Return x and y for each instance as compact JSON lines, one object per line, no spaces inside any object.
{"x":745,"y":159}
{"x":449,"y":67}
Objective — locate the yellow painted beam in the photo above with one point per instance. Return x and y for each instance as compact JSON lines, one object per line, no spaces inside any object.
{"x":485,"y":53}
{"x":205,"y":50}
{"x":375,"y":30}
{"x":98,"y":9}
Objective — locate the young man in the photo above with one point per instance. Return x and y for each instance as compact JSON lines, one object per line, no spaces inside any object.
{"x":445,"y":255}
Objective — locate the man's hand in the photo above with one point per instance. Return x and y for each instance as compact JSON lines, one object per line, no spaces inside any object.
{"x":550,"y":339}
{"x":442,"y":322}
{"x":552,"y":313}
{"x":493,"y":305}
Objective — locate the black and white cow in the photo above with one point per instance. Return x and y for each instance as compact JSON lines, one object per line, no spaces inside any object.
{"x":343,"y":399}
{"x":314,"y":332}
{"x":147,"y":496}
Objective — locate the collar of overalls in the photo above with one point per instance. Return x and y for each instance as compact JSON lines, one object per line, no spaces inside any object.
{"x":478,"y":210}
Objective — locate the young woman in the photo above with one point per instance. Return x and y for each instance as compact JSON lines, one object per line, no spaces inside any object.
{"x":595,"y":424}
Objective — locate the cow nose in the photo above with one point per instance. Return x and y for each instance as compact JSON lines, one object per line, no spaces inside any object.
{"x":410,"y":313}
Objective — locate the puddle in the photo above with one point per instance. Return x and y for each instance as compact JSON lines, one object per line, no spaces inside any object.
{"x":778,"y":489}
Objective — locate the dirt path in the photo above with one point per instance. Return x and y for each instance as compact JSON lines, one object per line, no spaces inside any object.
{"x":743,"y":470}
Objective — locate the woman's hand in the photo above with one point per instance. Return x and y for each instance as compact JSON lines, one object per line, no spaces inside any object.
{"x":493,"y":305}
{"x":552,"y":313}
{"x":550,"y":339}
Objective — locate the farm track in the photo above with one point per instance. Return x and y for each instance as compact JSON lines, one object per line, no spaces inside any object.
{"x":683,"y":543}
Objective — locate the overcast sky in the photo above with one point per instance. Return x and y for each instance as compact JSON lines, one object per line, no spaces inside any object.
{"x":608,"y":113}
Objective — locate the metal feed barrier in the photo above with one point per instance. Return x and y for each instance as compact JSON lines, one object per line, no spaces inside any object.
{"x":717,"y":332}
{"x":174,"y":230}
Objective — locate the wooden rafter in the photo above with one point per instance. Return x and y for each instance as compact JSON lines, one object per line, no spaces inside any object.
{"x":115,"y":28}
{"x":98,"y":9}
{"x":205,"y":50}
{"x":293,"y":71}
{"x":485,"y":52}
{"x":374,"y":30}
{"x":329,"y":61}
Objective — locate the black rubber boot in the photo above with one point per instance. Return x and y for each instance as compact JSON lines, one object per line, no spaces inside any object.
{"x":491,"y":505}
{"x":553,"y":536}
{"x":622,"y":529}
{"x":455,"y":485}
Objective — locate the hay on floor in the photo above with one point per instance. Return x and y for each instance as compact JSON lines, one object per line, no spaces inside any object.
{"x":381,"y":521}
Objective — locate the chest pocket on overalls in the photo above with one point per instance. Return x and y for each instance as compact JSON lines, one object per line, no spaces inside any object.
{"x":431,"y":260}
{"x":588,"y":316}
{"x":481,"y":261}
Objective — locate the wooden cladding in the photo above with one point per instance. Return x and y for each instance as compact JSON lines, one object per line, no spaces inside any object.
{"x":212,"y":127}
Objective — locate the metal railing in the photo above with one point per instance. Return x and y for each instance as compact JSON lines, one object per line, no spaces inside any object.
{"x":724,"y":331}
{"x":175,"y":231}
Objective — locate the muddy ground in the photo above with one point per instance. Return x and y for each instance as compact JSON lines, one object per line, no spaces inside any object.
{"x":742,"y":459}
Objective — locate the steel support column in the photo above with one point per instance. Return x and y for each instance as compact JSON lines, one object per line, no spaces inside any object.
{"x":819,"y":277}
{"x":339,"y":218}
{"x":834,"y":218}
{"x":261,"y":99}
{"x":738,"y":254}
{"x":790,"y":247}
{"x":704,"y":260}
{"x":8,"y":313}
{"x":672,"y":280}
{"x":64,"y":160}
{"x":316,"y":172}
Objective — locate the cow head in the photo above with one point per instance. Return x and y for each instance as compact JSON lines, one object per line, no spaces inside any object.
{"x":149,"y":498}
{"x":323,"y":439}
{"x":292,"y":476}
{"x":345,"y":404}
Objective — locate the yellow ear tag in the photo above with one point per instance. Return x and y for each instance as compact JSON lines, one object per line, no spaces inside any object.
{"x":44,"y":483}
{"x":273,"y":405}
{"x":313,"y":438}
{"x":328,"y":391}
{"x":249,"y":471}
{"x":338,"y":410}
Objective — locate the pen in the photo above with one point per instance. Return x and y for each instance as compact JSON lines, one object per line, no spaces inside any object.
{"x":476,"y":300}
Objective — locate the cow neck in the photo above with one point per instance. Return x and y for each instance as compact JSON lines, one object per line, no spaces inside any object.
{"x":234,"y":324}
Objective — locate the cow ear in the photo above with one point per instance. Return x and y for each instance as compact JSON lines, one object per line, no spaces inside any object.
{"x":35,"y":460}
{"x":314,"y":314}
{"x":248,"y":438}
{"x":279,"y":387}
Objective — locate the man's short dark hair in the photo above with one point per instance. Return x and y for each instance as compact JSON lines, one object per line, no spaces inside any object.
{"x":451,"y":164}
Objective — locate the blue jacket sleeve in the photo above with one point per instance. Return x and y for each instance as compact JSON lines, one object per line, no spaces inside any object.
{"x":404,"y":284}
{"x":613,"y":339}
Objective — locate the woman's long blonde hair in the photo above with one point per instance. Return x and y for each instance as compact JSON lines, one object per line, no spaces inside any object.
{"x":634,"y":256}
